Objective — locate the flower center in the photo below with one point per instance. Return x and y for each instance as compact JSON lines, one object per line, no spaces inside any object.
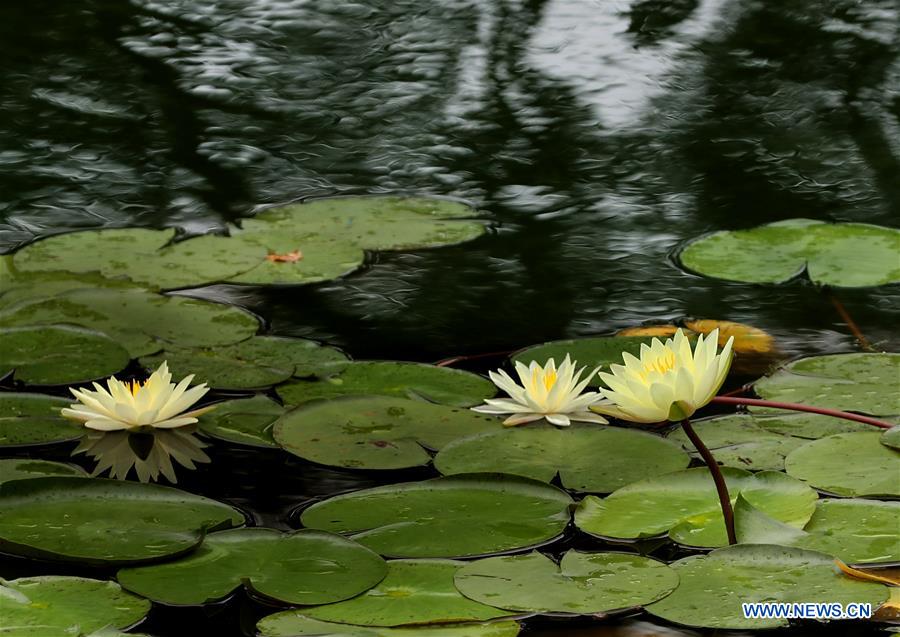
{"x":135,"y":387}
{"x":548,"y":377}
{"x":662,"y":364}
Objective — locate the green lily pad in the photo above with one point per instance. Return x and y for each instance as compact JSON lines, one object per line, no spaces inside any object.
{"x":856,"y":531}
{"x":394,"y":378}
{"x":292,"y":623}
{"x":591,"y":352}
{"x":140,"y":255}
{"x":805,"y":425}
{"x":25,"y":468}
{"x":455,"y":516}
{"x":56,"y":606}
{"x":854,"y":464}
{"x":713,"y":587}
{"x":414,"y":592}
{"x":891,"y":438}
{"x":685,"y":505}
{"x":582,"y":583}
{"x":259,"y":361}
{"x":59,"y":354}
{"x":586,"y":457}
{"x":331,"y":235}
{"x":303,"y":567}
{"x":246,"y":421}
{"x":34,"y":419}
{"x":866,"y":383}
{"x":96,"y":521}
{"x":140,"y":320}
{"x":738,"y":441}
{"x":374,"y":432}
{"x":838,"y":254}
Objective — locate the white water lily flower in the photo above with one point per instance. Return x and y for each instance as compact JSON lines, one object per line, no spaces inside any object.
{"x":143,"y":426}
{"x":668,"y":381}
{"x":545,"y":392}
{"x":156,"y":403}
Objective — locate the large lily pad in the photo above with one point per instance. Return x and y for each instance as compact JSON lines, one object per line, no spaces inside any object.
{"x":395,"y":378}
{"x":456,"y":516}
{"x":96,"y":521}
{"x":414,"y":592}
{"x":292,"y":623}
{"x":738,"y":441}
{"x":374,"y":432}
{"x":331,"y":235}
{"x":25,"y":468}
{"x":56,"y":606}
{"x":303,"y":567}
{"x":713,"y":587}
{"x":838,"y":254}
{"x":805,"y":425}
{"x":866,"y":383}
{"x":856,"y":531}
{"x":685,"y":505}
{"x":141,"y":255}
{"x":246,"y":421}
{"x":594,"y":351}
{"x":59,"y":354}
{"x":586,"y":457}
{"x":853,"y":464}
{"x":140,"y":320}
{"x":34,"y":419}
{"x":260,"y":361}
{"x":582,"y":583}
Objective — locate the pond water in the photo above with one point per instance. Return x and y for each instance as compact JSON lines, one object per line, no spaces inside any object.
{"x":596,"y":135}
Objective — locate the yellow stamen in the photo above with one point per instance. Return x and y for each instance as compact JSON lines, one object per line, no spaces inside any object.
{"x":662,"y":364}
{"x":135,"y":387}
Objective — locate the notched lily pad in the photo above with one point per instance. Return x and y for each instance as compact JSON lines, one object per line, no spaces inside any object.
{"x":838,"y":254}
{"x":101,"y":522}
{"x":865,"y":383}
{"x":374,"y":432}
{"x":712,"y":588}
{"x":586,"y":457}
{"x":25,"y":468}
{"x":245,"y":421}
{"x":738,"y":441}
{"x":292,"y":623}
{"x":853,"y":464}
{"x":59,"y":354}
{"x":260,"y":361}
{"x":591,"y":352}
{"x":582,"y":583}
{"x":455,"y":516}
{"x":856,"y":531}
{"x":57,"y":606}
{"x":34,"y":419}
{"x":414,"y":592}
{"x":303,"y":567}
{"x":395,"y":378}
{"x":685,"y":504}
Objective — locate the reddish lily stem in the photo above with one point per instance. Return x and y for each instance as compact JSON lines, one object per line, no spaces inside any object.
{"x":718,"y":478}
{"x":756,"y":402}
{"x":453,"y":360}
{"x":848,"y":320}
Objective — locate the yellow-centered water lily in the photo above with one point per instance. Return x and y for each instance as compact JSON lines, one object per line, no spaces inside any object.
{"x":156,"y":403}
{"x":668,"y":381}
{"x":140,"y":426}
{"x":545,"y":392}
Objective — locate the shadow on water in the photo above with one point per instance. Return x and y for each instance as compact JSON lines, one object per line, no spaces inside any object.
{"x":595,"y":136}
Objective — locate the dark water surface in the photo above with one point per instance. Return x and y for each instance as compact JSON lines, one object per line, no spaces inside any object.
{"x":597,"y":135}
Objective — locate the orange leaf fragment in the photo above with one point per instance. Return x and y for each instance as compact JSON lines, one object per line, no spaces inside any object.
{"x":661,"y":331}
{"x":747,"y":339}
{"x":889,"y":576}
{"x":289,"y":257}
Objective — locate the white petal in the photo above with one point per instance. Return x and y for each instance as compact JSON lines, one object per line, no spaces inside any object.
{"x":586,"y":416}
{"x":512,"y":421}
{"x":560,"y":420}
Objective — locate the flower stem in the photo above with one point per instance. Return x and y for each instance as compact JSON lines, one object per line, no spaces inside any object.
{"x":718,"y":478}
{"x":848,"y":320}
{"x":756,"y":402}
